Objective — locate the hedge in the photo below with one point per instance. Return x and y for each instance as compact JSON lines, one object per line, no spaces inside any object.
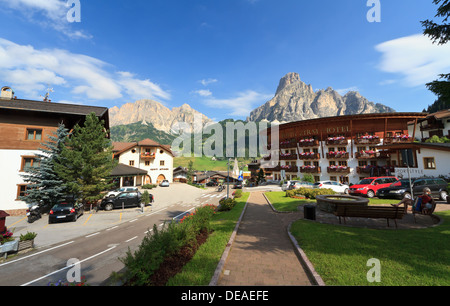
{"x":309,"y":193}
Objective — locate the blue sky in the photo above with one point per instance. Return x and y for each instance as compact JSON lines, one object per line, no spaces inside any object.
{"x":222,"y":57}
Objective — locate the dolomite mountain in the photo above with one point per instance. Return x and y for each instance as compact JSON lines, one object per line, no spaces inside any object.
{"x":149,"y":111}
{"x":294,"y":101}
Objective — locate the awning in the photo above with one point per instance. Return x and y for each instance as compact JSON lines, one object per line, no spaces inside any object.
{"x":124,"y":170}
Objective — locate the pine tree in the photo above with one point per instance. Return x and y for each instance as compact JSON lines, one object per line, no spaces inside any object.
{"x":44,"y":183}
{"x":86,"y":160}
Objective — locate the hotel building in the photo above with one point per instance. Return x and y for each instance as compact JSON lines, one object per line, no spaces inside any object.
{"x":350,"y":148}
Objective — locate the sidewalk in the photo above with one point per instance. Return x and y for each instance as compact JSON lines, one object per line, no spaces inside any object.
{"x":262,"y":253}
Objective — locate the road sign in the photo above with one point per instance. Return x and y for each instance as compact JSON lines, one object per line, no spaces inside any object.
{"x":240,"y":178}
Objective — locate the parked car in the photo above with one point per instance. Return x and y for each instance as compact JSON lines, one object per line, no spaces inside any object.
{"x":237,"y":185}
{"x":399,"y":189}
{"x":122,"y":189}
{"x":66,"y":209}
{"x":164,"y":183}
{"x":369,"y":186}
{"x":124,"y":199}
{"x":287,"y":185}
{"x":335,"y":186}
{"x":212,"y":183}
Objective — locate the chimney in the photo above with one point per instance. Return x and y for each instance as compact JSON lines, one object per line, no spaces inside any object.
{"x":7,"y":93}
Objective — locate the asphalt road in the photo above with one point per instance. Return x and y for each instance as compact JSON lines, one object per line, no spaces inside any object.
{"x":91,"y":246}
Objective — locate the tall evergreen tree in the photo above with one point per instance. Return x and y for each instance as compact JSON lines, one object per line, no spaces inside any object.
{"x":440,"y":34}
{"x":86,"y":160}
{"x":44,"y":183}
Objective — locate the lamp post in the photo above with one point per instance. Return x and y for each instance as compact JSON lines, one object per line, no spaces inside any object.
{"x":228,"y":178}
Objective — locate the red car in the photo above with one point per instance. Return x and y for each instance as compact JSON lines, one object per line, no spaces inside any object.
{"x":369,"y":186}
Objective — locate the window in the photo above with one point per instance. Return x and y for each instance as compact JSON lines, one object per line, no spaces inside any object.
{"x":21,"y":191}
{"x":29,"y":162}
{"x":161,"y":163}
{"x":342,"y":149}
{"x":34,"y":134}
{"x":343,"y":163}
{"x":131,"y":163}
{"x":428,"y":163}
{"x":147,"y":163}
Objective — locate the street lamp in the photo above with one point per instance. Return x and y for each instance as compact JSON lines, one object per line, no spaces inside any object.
{"x":228,"y":178}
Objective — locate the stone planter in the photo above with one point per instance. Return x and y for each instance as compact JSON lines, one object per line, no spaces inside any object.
{"x":329,"y":203}
{"x":27,"y":244}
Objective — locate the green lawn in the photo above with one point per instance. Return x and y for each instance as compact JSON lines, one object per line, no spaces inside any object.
{"x":340,"y":254}
{"x":200,"y":270}
{"x":205,"y":163}
{"x":407,"y":257}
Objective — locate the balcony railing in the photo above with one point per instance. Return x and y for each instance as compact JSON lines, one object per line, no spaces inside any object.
{"x":288,"y":144}
{"x":368,"y":140}
{"x":289,"y":168}
{"x":148,"y":155}
{"x":338,"y":169}
{"x":308,"y":143}
{"x":340,"y":140}
{"x":376,"y":170}
{"x":398,"y":139}
{"x":432,"y":126}
{"x":288,"y":156}
{"x":371,"y":154}
{"x":310,"y":169}
{"x":309,"y":155}
{"x":338,"y":154}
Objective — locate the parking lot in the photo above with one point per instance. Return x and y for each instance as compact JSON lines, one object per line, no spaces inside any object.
{"x":181,"y":196}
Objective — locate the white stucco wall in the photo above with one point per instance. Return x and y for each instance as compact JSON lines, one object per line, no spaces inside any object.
{"x":10,"y":163}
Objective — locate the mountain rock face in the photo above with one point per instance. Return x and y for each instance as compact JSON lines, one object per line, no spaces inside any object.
{"x":154,"y":112}
{"x":295,"y":101}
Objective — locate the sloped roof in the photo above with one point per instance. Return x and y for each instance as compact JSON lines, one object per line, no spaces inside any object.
{"x":124,"y":170}
{"x":120,"y":147}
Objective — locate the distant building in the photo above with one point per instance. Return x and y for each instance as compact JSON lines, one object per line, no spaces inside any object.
{"x":24,"y":126}
{"x":147,"y":161}
{"x":180,"y":174}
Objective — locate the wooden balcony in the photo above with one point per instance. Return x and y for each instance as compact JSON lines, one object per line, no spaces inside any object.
{"x":398,"y":139}
{"x":368,"y":140}
{"x":432,"y":126}
{"x":147,"y":155}
{"x":288,"y":144}
{"x":371,"y":154}
{"x":338,"y":170}
{"x":337,"y":141}
{"x":338,"y":154}
{"x":308,"y":143}
{"x":376,"y":170}
{"x":309,"y":156}
{"x":289,"y":168}
{"x":310,"y":169}
{"x":288,"y":156}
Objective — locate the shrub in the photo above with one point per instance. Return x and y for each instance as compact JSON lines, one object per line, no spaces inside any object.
{"x":226,"y":204}
{"x":156,"y":246}
{"x":146,"y":197}
{"x":309,"y":193}
{"x":28,"y":236}
{"x":237,"y":193}
{"x":149,"y":186}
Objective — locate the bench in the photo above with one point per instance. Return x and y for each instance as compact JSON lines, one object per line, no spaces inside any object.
{"x":376,"y":212}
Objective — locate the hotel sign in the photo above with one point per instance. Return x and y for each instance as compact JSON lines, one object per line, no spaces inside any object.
{"x":328,"y":130}
{"x":403,"y":172}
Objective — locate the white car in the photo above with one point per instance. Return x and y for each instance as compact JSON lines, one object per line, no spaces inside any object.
{"x":122,"y":189}
{"x":335,"y":186}
{"x":287,"y":185}
{"x":164,"y":183}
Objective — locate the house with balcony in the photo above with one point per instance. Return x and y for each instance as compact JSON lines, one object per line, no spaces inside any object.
{"x":153,"y":160}
{"x":25,"y":125}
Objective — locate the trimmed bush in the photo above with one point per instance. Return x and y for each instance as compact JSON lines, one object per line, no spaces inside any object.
{"x":309,"y":193}
{"x":226,"y":204}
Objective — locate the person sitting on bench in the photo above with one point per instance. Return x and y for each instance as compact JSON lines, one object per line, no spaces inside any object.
{"x":427,"y":201}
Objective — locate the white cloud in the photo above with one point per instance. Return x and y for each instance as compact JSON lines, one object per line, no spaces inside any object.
{"x":415,"y":58}
{"x":46,"y":13}
{"x":206,"y":82}
{"x":343,"y":91}
{"x":29,"y":70}
{"x":203,"y":92}
{"x":241,"y":105}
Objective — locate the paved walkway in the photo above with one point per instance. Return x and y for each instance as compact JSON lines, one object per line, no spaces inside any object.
{"x":262,"y":253}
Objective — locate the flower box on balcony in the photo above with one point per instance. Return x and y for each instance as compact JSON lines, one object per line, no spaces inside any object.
{"x":308,"y":142}
{"x":337,"y":140}
{"x":338,"y":169}
{"x":309,"y":155}
{"x":288,"y":156}
{"x":310,"y":169}
{"x":369,"y":139}
{"x":337,"y":154}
